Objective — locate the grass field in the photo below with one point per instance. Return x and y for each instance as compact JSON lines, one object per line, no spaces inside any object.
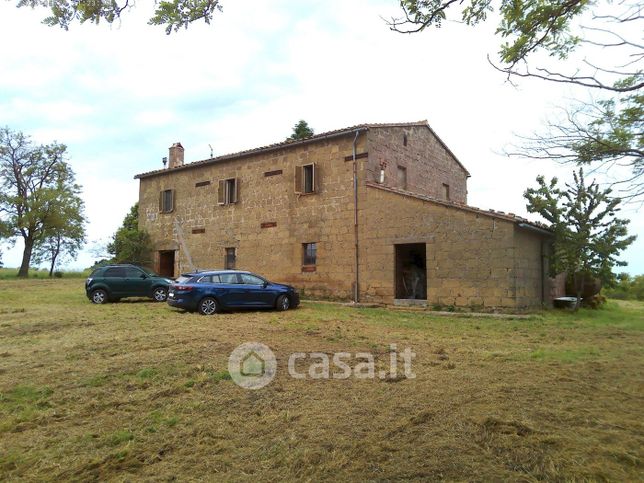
{"x":139,"y":391}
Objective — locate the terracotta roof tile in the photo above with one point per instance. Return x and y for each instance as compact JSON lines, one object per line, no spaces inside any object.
{"x":288,"y":143}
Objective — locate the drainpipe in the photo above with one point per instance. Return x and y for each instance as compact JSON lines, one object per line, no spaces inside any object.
{"x":356,"y":289}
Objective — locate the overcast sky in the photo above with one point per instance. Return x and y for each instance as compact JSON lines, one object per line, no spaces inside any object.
{"x":119,"y":96}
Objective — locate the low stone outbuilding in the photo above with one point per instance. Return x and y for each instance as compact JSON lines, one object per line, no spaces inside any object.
{"x":375,"y":212}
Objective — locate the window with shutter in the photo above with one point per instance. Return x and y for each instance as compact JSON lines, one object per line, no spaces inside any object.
{"x":166,"y":201}
{"x":306,"y":179}
{"x":228,"y":192}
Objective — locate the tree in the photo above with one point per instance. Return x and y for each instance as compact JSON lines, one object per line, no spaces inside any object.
{"x":129,"y":244}
{"x":602,"y":133}
{"x":174,"y":14}
{"x":607,"y":135}
{"x":588,"y":236}
{"x":554,"y":27}
{"x":65,"y":236}
{"x":301,"y":131}
{"x":36,"y":184}
{"x":4,"y":234}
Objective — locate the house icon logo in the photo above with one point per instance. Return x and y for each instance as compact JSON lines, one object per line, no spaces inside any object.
{"x":252,"y":365}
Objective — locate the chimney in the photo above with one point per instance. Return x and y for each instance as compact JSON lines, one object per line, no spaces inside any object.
{"x":175,"y":157}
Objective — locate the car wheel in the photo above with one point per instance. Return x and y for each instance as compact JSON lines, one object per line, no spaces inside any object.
{"x":99,"y":296}
{"x":283,"y":302}
{"x":160,"y":294}
{"x":208,"y":306}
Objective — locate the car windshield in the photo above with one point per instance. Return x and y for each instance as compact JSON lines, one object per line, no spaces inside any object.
{"x":149,"y":272}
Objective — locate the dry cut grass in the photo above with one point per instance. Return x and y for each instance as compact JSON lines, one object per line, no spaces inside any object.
{"x":139,"y":391}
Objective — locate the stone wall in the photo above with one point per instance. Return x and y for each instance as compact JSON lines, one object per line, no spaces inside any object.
{"x":428,"y":163}
{"x":325,"y":217}
{"x":473,"y":260}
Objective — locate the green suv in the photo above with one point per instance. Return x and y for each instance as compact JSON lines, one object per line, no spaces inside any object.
{"x":114,"y":282}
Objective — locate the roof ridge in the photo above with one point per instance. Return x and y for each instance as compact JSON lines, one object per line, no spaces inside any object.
{"x":287,"y":143}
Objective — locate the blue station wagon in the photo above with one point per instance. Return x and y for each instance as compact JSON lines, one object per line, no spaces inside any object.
{"x":211,"y":291}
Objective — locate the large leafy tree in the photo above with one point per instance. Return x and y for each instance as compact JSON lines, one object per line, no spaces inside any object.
{"x":129,"y":244}
{"x":65,"y":235}
{"x":591,"y":44}
{"x":588,"y":236}
{"x":173,"y":14}
{"x":37,"y":185}
{"x":301,"y":130}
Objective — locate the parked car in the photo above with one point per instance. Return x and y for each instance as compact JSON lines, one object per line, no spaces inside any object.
{"x":211,"y":291}
{"x":114,"y":282}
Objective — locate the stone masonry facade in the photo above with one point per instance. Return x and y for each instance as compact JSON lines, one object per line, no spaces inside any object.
{"x":410,"y":189}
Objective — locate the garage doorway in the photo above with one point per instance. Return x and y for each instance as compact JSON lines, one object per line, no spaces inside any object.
{"x":166,"y":263}
{"x":411,"y":271}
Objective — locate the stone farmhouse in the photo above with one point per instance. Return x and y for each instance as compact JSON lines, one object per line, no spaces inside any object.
{"x":370,"y":213}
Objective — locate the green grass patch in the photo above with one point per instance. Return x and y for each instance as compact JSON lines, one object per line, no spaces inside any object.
{"x":119,"y":437}
{"x":564,"y":355}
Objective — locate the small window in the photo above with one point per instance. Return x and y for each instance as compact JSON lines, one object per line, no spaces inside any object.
{"x":402,"y":177}
{"x":309,"y":253}
{"x":115,"y":272}
{"x":228,"y":191}
{"x":306,"y":179}
{"x":229,"y":262}
{"x":249,"y":279}
{"x":446,"y":191}
{"x":405,"y":139}
{"x":166,"y":201}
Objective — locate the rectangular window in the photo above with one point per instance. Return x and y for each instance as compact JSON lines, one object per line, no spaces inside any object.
{"x":166,"y":201}
{"x":309,"y":253}
{"x":306,"y":179}
{"x":202,"y":183}
{"x":446,"y":191}
{"x":229,"y":262}
{"x":228,"y":192}
{"x":402,"y":177}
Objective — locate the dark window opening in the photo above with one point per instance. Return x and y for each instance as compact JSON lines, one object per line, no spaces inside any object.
{"x":405,"y":139}
{"x":202,"y":183}
{"x":402,"y":177}
{"x":228,"y":191}
{"x":309,"y":253}
{"x":166,"y":204}
{"x":229,"y":262}
{"x":308,"y":179}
